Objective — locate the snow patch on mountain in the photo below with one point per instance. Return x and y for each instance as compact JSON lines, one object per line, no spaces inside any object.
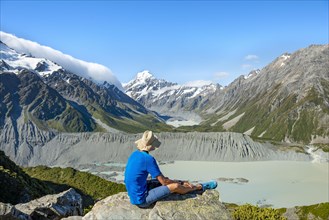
{"x":252,"y":74}
{"x":284,"y":58}
{"x":97,"y":72}
{"x":145,"y":84}
{"x":18,"y":61}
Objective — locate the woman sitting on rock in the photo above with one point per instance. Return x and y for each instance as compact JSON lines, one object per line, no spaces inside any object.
{"x":143,"y":192}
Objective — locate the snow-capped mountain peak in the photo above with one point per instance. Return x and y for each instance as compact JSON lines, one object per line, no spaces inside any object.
{"x":145,"y":83}
{"x":142,"y":76}
{"x":98,"y":73}
{"x":166,"y":97}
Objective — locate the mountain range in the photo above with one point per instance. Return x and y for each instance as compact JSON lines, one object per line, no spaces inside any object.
{"x":176,"y":102}
{"x":287,"y":100}
{"x":52,"y":97}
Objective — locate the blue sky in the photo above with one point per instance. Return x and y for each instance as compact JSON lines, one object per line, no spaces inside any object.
{"x":178,"y":41}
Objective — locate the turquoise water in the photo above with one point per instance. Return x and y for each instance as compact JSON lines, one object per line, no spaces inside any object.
{"x":274,"y":183}
{"x":110,"y":164}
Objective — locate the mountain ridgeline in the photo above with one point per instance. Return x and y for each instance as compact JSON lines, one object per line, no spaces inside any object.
{"x":52,"y":98}
{"x":288,"y":100}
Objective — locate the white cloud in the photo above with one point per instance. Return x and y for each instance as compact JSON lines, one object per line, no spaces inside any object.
{"x":252,"y":57}
{"x":197,"y":83}
{"x":221,"y":75}
{"x":97,"y":72}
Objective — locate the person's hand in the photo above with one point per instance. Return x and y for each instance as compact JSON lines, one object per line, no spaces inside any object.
{"x":187,"y":184}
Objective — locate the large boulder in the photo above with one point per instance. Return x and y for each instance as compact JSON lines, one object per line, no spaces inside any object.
{"x":189,"y":206}
{"x":9,"y":212}
{"x":67,"y":203}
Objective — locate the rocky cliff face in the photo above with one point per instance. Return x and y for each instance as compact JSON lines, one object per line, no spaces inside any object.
{"x":189,"y":206}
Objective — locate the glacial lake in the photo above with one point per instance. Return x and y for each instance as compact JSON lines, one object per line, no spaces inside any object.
{"x":264,"y":183}
{"x":270,"y":183}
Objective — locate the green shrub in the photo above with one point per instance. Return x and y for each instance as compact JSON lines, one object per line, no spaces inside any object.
{"x":16,"y":186}
{"x":250,"y":212}
{"x":319,"y":211}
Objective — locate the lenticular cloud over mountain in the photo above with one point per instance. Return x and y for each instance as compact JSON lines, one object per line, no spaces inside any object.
{"x":97,"y":72}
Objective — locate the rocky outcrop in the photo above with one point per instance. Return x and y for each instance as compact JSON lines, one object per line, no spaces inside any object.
{"x":290,"y":214}
{"x":67,"y":203}
{"x":9,"y":212}
{"x":189,"y":206}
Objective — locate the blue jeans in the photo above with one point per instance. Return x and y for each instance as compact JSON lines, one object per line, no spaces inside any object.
{"x":155,"y":192}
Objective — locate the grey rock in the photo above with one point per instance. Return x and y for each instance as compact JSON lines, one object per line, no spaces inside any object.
{"x":73,"y":218}
{"x":290,"y":214}
{"x":189,"y":206}
{"x":233,"y":180}
{"x":67,"y":203}
{"x":9,"y":212}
